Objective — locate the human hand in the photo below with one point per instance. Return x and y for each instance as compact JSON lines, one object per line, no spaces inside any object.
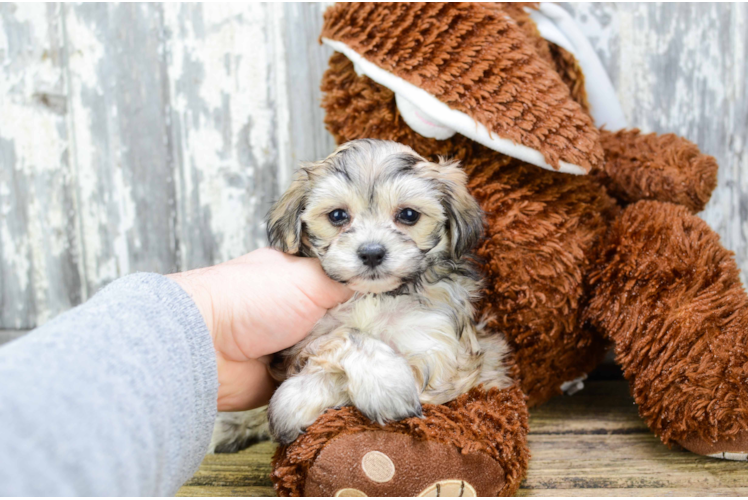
{"x":255,"y":305}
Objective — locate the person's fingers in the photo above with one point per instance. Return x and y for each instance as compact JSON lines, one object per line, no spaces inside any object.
{"x":306,"y":273}
{"x":243,"y":384}
{"x":312,"y":280}
{"x":255,"y":305}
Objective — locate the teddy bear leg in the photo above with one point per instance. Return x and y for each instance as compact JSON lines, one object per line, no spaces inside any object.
{"x":668,"y":295}
{"x":475,"y":445}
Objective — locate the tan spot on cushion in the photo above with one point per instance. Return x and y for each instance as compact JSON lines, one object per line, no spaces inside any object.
{"x":378,"y":467}
{"x":350,"y":492}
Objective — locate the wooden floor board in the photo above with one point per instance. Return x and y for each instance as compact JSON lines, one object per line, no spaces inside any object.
{"x":589,"y":444}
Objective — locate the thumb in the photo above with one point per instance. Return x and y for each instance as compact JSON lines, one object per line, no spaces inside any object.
{"x":311,"y":279}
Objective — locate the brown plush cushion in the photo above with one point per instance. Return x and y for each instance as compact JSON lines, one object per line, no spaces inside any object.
{"x":477,"y":60}
{"x":492,"y":423}
{"x":409,"y":466}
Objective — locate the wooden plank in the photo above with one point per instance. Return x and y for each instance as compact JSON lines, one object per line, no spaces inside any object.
{"x":592,"y":443}
{"x":682,"y":68}
{"x":223,"y":126}
{"x":39,"y":275}
{"x":246,"y":473}
{"x":226,"y":491}
{"x":595,"y":440}
{"x":638,"y":492}
{"x":624,"y":461}
{"x":600,"y":408}
{"x":118,"y":97}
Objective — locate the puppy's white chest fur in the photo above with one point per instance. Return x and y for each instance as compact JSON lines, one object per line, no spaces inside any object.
{"x":428,"y":336}
{"x":402,"y":322}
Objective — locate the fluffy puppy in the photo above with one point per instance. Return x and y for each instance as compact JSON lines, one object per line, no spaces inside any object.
{"x":395,"y":228}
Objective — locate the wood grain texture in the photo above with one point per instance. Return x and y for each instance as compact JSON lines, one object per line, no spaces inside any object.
{"x":148,"y":137}
{"x":589,"y":444}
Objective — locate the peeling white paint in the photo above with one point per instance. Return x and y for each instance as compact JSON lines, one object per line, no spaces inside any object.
{"x":279,"y":89}
{"x":126,"y":223}
{"x":25,"y":120}
{"x":85,"y":54}
{"x":228,"y":69}
{"x":599,"y":23}
{"x":85,"y":51}
{"x":15,"y":255}
{"x":4,"y":48}
{"x":237,"y":107}
{"x":34,"y":215}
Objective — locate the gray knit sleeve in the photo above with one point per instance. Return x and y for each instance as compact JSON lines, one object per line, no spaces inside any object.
{"x":115,"y":397}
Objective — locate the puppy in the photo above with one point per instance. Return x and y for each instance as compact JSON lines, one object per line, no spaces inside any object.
{"x":396,"y":229}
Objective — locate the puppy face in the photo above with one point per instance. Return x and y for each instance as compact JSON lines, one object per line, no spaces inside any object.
{"x":376,"y":215}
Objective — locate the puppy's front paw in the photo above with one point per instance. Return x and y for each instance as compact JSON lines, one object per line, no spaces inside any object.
{"x":297,"y":403}
{"x":286,"y":414}
{"x":282,"y":429}
{"x":398,"y":404}
{"x":284,"y":424}
{"x":385,"y":391}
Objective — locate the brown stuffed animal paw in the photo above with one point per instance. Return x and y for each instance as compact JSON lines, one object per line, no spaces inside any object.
{"x":733,"y":448}
{"x":376,"y":463}
{"x":475,"y":445}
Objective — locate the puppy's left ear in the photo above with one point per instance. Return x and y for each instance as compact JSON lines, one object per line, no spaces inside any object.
{"x":284,"y":219}
{"x":463,"y":212}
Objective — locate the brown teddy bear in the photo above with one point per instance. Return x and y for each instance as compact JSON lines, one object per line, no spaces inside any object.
{"x":571,"y":262}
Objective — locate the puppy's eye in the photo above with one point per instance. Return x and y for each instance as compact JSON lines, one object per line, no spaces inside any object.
{"x":408,"y":216}
{"x":338,"y":217}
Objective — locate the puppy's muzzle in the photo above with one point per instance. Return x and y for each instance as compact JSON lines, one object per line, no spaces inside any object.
{"x":372,"y":254}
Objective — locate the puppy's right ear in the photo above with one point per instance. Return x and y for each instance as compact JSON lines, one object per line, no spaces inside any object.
{"x":284,"y":219}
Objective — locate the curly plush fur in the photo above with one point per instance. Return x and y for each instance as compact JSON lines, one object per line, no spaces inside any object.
{"x":476,"y":60}
{"x":542,"y":227}
{"x":652,"y":167}
{"x":669,"y":295}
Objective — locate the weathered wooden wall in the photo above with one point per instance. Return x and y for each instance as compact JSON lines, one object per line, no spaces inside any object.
{"x":149,"y":137}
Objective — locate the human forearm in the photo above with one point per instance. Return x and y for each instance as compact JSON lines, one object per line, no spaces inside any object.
{"x":116,"y":397}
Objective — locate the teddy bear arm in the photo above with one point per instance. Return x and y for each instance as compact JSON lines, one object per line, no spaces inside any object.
{"x":656,"y":167}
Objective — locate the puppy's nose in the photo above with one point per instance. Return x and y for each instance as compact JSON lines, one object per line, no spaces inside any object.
{"x":371,"y":254}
